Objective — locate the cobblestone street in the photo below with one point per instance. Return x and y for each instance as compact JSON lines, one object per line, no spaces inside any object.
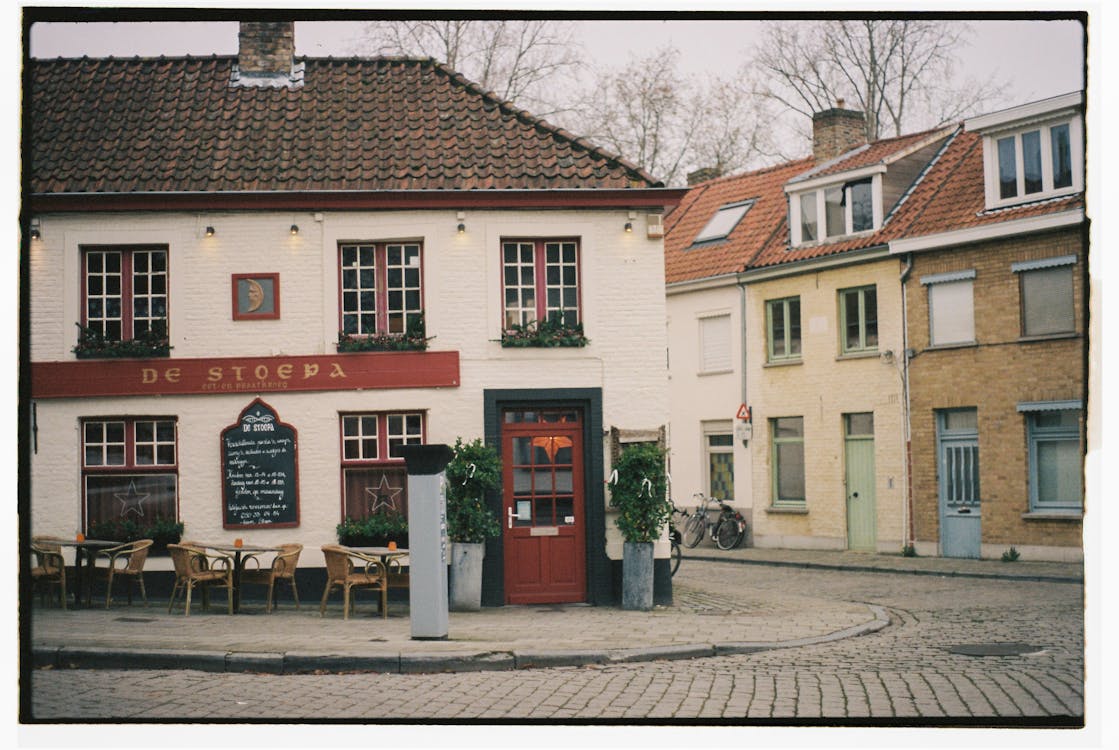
{"x":908,"y":673}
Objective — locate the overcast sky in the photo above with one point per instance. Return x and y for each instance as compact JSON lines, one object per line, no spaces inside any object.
{"x":1038,"y":58}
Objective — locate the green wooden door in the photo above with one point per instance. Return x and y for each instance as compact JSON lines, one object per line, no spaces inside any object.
{"x":860,"y":481}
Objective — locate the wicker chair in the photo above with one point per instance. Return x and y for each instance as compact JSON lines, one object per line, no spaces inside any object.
{"x":49,"y":569}
{"x":282,"y":569}
{"x":195,"y":567}
{"x":340,"y":571}
{"x":125,"y":560}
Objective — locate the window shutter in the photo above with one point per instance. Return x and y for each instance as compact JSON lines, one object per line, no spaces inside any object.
{"x":714,"y":337}
{"x":1047,"y":301}
{"x":951,"y":312}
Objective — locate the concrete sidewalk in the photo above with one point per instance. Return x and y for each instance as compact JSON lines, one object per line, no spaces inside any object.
{"x":712,"y":614}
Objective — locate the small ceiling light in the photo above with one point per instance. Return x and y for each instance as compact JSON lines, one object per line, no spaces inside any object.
{"x":36,"y":231}
{"x":295,"y":229}
{"x":629,"y":224}
{"x":461,"y":222}
{"x":209,"y":231}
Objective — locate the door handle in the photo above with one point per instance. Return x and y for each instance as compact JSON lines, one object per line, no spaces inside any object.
{"x":511,"y":515}
{"x":855,"y":495}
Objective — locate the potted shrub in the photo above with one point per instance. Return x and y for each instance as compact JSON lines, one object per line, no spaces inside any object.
{"x":639,"y":494}
{"x":474,"y":471}
{"x":161,"y":530}
{"x":375,"y":530}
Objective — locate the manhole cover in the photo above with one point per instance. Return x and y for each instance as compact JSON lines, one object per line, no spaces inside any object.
{"x":134,"y":619}
{"x":994,"y":649}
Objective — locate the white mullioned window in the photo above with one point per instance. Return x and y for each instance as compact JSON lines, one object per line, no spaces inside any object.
{"x":835,"y":210}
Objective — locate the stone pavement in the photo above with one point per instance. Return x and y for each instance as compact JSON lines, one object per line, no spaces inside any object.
{"x":707,"y":618}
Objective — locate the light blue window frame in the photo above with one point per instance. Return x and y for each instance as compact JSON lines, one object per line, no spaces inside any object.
{"x":1042,"y":438}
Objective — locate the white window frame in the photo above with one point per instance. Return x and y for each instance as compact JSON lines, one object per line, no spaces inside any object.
{"x":820,"y":192}
{"x":728,"y":216}
{"x":991,"y":161}
{"x":720,"y":367}
{"x":723,"y":429}
{"x":1036,"y":435}
{"x":955,"y":278}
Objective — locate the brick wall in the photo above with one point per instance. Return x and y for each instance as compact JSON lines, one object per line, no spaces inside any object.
{"x":993,"y":377}
{"x":266,"y":46}
{"x":836,"y":131}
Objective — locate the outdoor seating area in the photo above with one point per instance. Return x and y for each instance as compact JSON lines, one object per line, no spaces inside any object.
{"x":205,"y":569}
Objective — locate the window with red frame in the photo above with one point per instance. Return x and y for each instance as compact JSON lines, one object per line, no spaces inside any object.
{"x":381,"y":287}
{"x":124,"y":291}
{"x":374,"y":478}
{"x":540,"y":279}
{"x":130,"y":469}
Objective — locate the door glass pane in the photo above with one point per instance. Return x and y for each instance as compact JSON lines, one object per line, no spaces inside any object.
{"x":565,"y":511}
{"x":860,"y":424}
{"x":962,"y":419}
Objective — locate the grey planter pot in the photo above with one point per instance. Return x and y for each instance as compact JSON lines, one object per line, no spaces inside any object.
{"x":465,"y":580}
{"x":637,"y":575}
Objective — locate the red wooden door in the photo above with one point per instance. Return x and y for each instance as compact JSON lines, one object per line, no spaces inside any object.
{"x":543,"y":520}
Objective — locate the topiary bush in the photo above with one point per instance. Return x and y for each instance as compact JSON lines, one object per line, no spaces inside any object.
{"x":474,"y":471}
{"x":640,"y":493}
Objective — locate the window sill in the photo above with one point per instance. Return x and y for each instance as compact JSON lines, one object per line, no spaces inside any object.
{"x":858,"y":355}
{"x":953,"y":345}
{"x":1049,"y":337}
{"x":787,"y":511}
{"x":704,"y":373}
{"x":783,"y":362}
{"x":1053,"y":516}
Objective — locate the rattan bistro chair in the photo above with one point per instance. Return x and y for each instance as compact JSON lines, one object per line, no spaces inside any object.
{"x":282,"y":569}
{"x":49,"y":569}
{"x":124,"y":561}
{"x":195,"y":567}
{"x":340,"y":571}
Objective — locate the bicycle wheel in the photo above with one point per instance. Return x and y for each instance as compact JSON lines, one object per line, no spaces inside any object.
{"x":693,"y":530}
{"x":677,"y":553}
{"x":728,"y":535}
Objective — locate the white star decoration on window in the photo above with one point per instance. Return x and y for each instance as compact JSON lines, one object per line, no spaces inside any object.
{"x":131,"y":501}
{"x":383,"y":495}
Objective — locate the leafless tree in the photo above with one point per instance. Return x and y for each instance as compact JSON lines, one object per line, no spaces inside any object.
{"x":901,"y":73}
{"x":525,"y":61}
{"x":668,"y":123}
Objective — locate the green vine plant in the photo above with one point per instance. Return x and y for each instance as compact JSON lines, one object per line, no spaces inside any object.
{"x":639,"y":493}
{"x":474,"y":472}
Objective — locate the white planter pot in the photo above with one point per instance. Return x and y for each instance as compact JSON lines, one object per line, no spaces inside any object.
{"x":465,"y":581}
{"x":637,"y":575}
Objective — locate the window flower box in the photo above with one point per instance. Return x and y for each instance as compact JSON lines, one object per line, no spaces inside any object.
{"x":413,"y":339}
{"x":546,"y":333}
{"x":92,"y":344}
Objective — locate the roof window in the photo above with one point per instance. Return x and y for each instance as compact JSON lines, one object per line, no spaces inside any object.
{"x":723,"y":222}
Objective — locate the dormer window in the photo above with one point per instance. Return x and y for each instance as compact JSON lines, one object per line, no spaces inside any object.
{"x":835,"y":210}
{"x":1032,"y":152}
{"x":723,"y":222}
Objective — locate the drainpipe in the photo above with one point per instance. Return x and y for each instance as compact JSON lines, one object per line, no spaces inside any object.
{"x":749,"y":541}
{"x":907,"y":500}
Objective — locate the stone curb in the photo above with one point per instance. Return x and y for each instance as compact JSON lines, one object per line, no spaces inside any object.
{"x":306,"y":662}
{"x":878,"y":569}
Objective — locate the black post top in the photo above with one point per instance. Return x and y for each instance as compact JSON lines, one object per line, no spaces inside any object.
{"x":426,"y":459}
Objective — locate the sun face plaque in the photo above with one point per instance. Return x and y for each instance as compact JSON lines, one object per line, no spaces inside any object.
{"x":256,"y":296}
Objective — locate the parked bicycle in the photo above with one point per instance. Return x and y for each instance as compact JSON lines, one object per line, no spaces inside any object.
{"x":727,"y":530}
{"x":675,"y":537}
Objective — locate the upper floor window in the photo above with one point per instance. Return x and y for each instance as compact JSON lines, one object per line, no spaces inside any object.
{"x":723,"y":222}
{"x":381,"y":286}
{"x":1033,"y":151}
{"x":834,"y":211}
{"x":783,"y":324}
{"x":858,"y":320}
{"x":714,"y":344}
{"x":1046,"y":288}
{"x":540,"y":281}
{"x":951,"y":307}
{"x":124,"y":292}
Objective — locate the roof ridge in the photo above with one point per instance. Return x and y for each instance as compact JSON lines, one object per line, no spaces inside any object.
{"x":757,"y":172}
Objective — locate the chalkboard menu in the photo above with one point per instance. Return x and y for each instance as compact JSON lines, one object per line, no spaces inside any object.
{"x":260,"y":470}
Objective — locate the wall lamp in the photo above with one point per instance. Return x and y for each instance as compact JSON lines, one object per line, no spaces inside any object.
{"x":36,"y":228}
{"x":209,"y":231}
{"x":461,"y":222}
{"x":629,"y":224}
{"x":295,"y":229}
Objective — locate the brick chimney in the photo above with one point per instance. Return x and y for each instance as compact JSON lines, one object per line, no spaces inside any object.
{"x":703,"y":175}
{"x":836,"y":131}
{"x":266,"y":47}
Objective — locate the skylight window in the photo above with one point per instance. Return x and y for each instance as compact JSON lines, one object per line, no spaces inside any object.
{"x":723,"y":222}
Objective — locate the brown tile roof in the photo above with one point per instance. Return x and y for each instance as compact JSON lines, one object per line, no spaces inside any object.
{"x":948,"y":197}
{"x":768,"y":216}
{"x":115,"y":125}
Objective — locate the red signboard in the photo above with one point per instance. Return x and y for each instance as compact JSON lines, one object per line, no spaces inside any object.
{"x":176,"y":377}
